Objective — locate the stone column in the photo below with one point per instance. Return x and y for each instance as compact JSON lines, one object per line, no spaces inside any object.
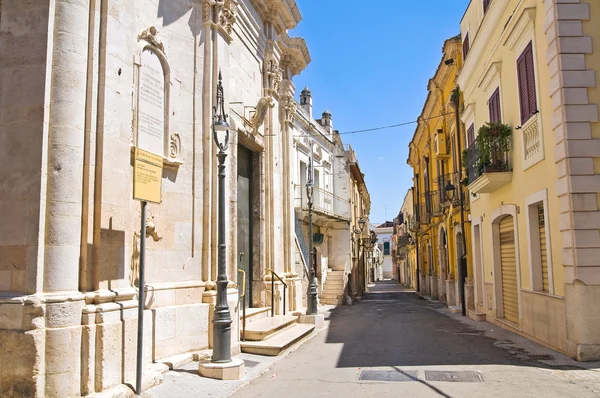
{"x":64,"y":197}
{"x":65,"y":146}
{"x":575,"y":124}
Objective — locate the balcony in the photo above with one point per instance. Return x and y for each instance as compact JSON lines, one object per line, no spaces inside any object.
{"x":325,"y":203}
{"x":413,"y":223}
{"x":443,"y":180}
{"x":487,"y":175}
{"x":432,"y":202}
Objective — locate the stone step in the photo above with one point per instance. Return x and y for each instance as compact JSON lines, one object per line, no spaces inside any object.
{"x":332,"y":301}
{"x":254,"y":314}
{"x":262,"y":328}
{"x":334,"y":296}
{"x":279,"y":342}
{"x":334,"y":282}
{"x":333,"y":289}
{"x":477,"y":315}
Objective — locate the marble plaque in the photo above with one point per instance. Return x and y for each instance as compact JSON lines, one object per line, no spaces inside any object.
{"x":151,"y":104}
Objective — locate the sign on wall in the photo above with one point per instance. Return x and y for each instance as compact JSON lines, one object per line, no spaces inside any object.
{"x":147,"y":176}
{"x":151,"y":105}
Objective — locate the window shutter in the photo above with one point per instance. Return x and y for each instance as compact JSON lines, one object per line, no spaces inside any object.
{"x":526,"y":75}
{"x":470,"y":135}
{"x":531,"y":95}
{"x":486,"y":5}
{"x":466,"y":47}
{"x":523,"y":90}
{"x":494,"y":107}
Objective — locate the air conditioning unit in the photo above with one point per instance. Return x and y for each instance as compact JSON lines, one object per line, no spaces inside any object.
{"x":440,"y":147}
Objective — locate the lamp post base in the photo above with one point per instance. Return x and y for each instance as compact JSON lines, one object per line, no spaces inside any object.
{"x":233,"y":370}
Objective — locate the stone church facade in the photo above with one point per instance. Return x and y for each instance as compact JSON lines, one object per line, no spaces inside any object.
{"x":74,"y":102}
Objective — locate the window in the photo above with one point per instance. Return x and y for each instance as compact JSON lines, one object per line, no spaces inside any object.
{"x":470,"y":135}
{"x":540,"y":255}
{"x":494,"y":107}
{"x":466,"y":47}
{"x":526,"y":76}
{"x":386,"y":248}
{"x":486,"y":5}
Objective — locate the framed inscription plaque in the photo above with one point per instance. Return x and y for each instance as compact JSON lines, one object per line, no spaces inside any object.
{"x":151,"y":104}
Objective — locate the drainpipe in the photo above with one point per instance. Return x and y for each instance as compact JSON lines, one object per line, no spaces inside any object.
{"x":462,"y":271}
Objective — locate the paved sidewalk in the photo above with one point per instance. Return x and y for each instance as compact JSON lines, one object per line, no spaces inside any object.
{"x":185,"y":382}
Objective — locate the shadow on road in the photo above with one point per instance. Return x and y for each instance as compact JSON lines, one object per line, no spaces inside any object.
{"x":393,"y":326}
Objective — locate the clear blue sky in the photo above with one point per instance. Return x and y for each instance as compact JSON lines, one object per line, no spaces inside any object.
{"x":370,"y":67}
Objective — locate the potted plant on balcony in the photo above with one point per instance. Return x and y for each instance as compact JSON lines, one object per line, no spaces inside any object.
{"x":493,"y":142}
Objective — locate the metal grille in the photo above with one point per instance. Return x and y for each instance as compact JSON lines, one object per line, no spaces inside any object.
{"x":541,"y":215}
{"x":466,"y":376}
{"x":388,"y":375}
{"x":540,"y":357}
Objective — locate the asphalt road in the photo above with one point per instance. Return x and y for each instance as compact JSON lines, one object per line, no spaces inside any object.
{"x":396,"y":344}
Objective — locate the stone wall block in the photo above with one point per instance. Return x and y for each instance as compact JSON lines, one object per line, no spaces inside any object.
{"x":587,"y":257}
{"x":586,"y":78}
{"x":583,"y":202}
{"x":567,"y":237}
{"x":585,"y":183}
{"x":21,"y":356}
{"x":64,"y":314}
{"x":108,"y":348}
{"x":581,"y":113}
{"x":572,"y":11}
{"x":583,"y":320}
{"x":572,"y":62}
{"x":583,"y":148}
{"x":575,"y":96}
{"x":576,"y":45}
{"x":586,"y":219}
{"x":578,"y":131}
{"x":569,"y":28}
{"x":62,"y":374}
{"x":589,"y":275}
{"x":586,"y":238}
{"x":565,"y":222}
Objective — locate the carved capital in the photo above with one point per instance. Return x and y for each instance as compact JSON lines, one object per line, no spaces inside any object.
{"x":225,"y":11}
{"x":288,"y":109}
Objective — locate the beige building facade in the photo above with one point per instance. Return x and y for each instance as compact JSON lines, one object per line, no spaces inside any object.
{"x":82,"y":84}
{"x":532,"y":65}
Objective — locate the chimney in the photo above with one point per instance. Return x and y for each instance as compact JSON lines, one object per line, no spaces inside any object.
{"x":306,"y":101}
{"x":326,"y":122}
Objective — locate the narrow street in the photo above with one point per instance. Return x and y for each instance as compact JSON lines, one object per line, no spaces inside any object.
{"x":396,"y":344}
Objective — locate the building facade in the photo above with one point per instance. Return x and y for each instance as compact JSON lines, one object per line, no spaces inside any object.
{"x":83,"y":84}
{"x":403,"y":252}
{"x":531,"y":69}
{"x":385,"y":269}
{"x":434,"y":157}
{"x":319,"y":149}
{"x":360,"y":207}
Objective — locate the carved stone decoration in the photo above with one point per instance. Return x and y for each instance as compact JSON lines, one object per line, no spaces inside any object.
{"x":273,"y":74}
{"x":264,"y":104}
{"x":288,"y":109}
{"x":149,"y":35}
{"x":174,"y":146}
{"x":206,"y":10}
{"x":227,"y":15}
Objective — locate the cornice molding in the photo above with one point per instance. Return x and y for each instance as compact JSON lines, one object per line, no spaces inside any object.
{"x":294,"y":53}
{"x":524,"y":25}
{"x":284,"y":14}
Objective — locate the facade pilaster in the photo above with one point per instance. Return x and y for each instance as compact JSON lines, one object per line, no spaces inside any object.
{"x":577,"y":156}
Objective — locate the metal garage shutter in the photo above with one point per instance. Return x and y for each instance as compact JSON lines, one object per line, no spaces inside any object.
{"x":509,"y":270}
{"x":543,"y":252}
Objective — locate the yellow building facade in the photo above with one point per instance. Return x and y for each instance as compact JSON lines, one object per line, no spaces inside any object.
{"x":531,"y":66}
{"x":435,"y":225}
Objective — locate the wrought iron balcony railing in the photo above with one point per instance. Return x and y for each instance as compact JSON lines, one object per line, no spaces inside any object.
{"x":323,"y":201}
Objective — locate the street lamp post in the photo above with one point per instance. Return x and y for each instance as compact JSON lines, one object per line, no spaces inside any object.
{"x":311,"y":305}
{"x":222,"y":317}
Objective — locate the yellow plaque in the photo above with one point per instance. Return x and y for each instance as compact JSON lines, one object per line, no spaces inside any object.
{"x":147,"y":176}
